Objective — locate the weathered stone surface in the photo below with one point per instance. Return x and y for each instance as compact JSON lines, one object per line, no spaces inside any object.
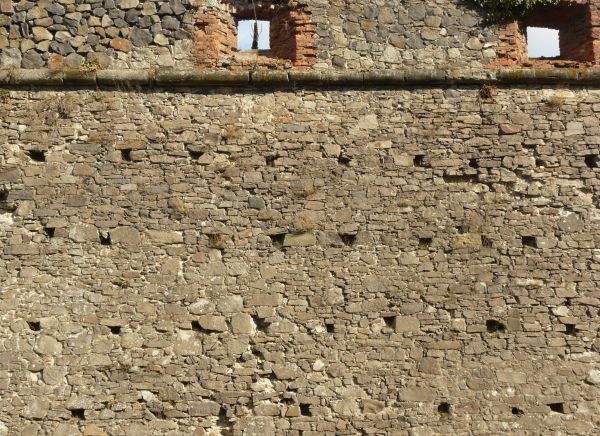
{"x":213,"y":323}
{"x":243,"y":324}
{"x":299,"y":240}
{"x":406,"y":324}
{"x":416,"y":394}
{"x":125,"y":235}
{"x":47,"y":345}
{"x":195,"y":314}
{"x":84,"y":233}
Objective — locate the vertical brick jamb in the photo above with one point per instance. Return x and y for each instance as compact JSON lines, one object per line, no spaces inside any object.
{"x":292,"y":37}
{"x":215,"y":36}
{"x":513,"y":45}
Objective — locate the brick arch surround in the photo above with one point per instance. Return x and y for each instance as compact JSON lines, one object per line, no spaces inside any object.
{"x":578,"y":23}
{"x":291,"y":34}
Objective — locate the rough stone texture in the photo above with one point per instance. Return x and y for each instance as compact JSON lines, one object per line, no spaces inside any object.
{"x":153,"y":33}
{"x":408,"y":261}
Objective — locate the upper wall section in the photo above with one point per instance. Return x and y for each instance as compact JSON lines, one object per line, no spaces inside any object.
{"x":305,"y":34}
{"x":350,"y":34}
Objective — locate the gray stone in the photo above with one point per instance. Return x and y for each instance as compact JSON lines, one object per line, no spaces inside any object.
{"x":11,"y":57}
{"x":140,"y":37}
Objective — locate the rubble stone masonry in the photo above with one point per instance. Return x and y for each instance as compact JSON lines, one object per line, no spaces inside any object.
{"x":373,"y":251}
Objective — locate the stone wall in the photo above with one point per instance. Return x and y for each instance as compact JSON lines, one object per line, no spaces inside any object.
{"x":402,"y":261}
{"x":153,"y":33}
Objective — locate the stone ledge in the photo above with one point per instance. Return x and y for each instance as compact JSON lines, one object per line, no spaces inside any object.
{"x":348,"y":78}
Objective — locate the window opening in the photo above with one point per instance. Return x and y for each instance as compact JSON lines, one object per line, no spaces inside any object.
{"x":543,"y":42}
{"x":253,"y":35}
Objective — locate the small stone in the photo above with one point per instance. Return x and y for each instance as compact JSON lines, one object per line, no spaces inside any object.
{"x":165,"y":237}
{"x":92,"y":430}
{"x":11,"y":57}
{"x":299,"y":240}
{"x":243,"y":324}
{"x":372,"y":406}
{"x":416,"y":394}
{"x":404,"y":324}
{"x":121,"y":44}
{"x":38,"y":408}
{"x":128,"y":4}
{"x":41,"y":34}
{"x":467,"y":241}
{"x":187,"y":343}
{"x":204,"y":408}
{"x":84,"y":233}
{"x":125,"y":236}
{"x":32,"y":60}
{"x":161,"y":39}
{"x":213,"y":323}
{"x":593,"y":377}
{"x":47,"y":345}
{"x":140,"y":37}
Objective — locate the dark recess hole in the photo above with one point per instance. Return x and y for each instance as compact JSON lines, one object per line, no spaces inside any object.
{"x":287,"y":400}
{"x":460,"y":178}
{"x":3,"y":195}
{"x":159,"y":414}
{"x":126,"y":154}
{"x":419,"y":160}
{"x":539,"y":163}
{"x":305,"y":410}
{"x":196,"y":326}
{"x":195,"y":154}
{"x":557,"y":407}
{"x":462,"y":229}
{"x":348,"y":240}
{"x":105,"y":238}
{"x":115,"y":329}
{"x":277,"y":240}
{"x":591,"y":160}
{"x":473,"y":163}
{"x":517,"y":411}
{"x":37,"y":155}
{"x":570,"y":329}
{"x":261,"y":324}
{"x":330,"y":327}
{"x":444,"y":408}
{"x":486,"y":242}
{"x":223,"y":421}
{"x":270,"y":160}
{"x":495,"y":326}
{"x":344,"y":160}
{"x":78,"y":413}
{"x":34,"y":325}
{"x":389,"y":321}
{"x":49,"y":231}
{"x":529,"y":241}
{"x":424,"y":243}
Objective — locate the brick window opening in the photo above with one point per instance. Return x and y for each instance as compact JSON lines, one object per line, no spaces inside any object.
{"x":225,"y":35}
{"x":253,"y":35}
{"x":554,"y":36}
{"x":543,"y":43}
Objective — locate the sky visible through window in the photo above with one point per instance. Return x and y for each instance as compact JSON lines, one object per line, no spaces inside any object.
{"x":246,"y":32}
{"x":542,"y":43}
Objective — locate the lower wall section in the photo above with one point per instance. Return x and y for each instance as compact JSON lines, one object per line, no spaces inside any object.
{"x":415,"y":261}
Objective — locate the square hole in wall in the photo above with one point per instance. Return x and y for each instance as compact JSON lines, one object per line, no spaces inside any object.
{"x":268,"y":33}
{"x":253,"y":35}
{"x":543,"y":42}
{"x":562,"y":32}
